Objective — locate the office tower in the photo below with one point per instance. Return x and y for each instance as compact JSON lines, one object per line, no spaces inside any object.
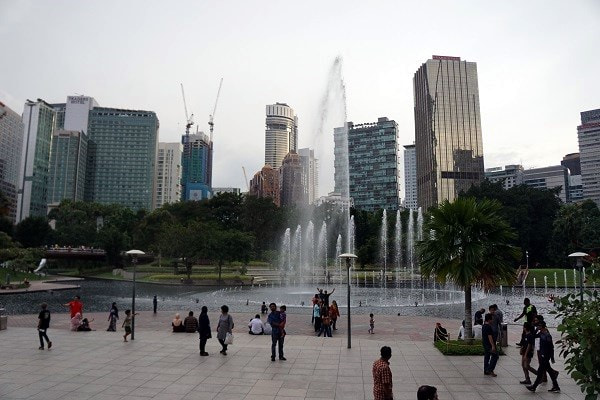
{"x":121,"y":157}
{"x":548,"y":178}
{"x":76,"y":113}
{"x":340,"y":162}
{"x":449,"y":149}
{"x":265,"y":183}
{"x":11,"y":140}
{"x":68,"y":163}
{"x":310,"y":174}
{"x":410,"y":177}
{"x":168,"y":173}
{"x":373,"y":165}
{"x":573,"y":162}
{"x":281,"y":134}
{"x":588,"y":134}
{"x":196,"y":180}
{"x":510,"y":175}
{"x":38,"y":120}
{"x":290,"y":181}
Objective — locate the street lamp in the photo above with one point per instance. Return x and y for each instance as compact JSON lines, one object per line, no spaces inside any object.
{"x":348,"y":257}
{"x":527,"y":257}
{"x":134,"y":254}
{"x":578,"y":256}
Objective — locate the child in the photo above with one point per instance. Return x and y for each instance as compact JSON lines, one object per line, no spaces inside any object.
{"x":371,"y":324}
{"x":127,"y":324}
{"x":43,"y":325}
{"x":283,"y":317}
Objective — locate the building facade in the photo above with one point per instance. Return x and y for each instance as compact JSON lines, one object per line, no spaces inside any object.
{"x":373,"y":165}
{"x":68,"y":163}
{"x":281,"y":133}
{"x":588,"y":134}
{"x":11,"y":141}
{"x":556,"y":176}
{"x":196,"y":182}
{"x":410,"y":177}
{"x":290,"y":181}
{"x":449,"y":148}
{"x":310,"y":174}
{"x":168,"y":173}
{"x":221,"y":190}
{"x":122,"y":155}
{"x":265,"y":184}
{"x":509,"y":175}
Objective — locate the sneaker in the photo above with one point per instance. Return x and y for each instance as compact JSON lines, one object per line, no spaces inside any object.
{"x":525,"y":382}
{"x":272,"y":358}
{"x":530,"y":388}
{"x":204,"y":354}
{"x":49,"y":345}
{"x":554,"y":390}
{"x":283,"y":358}
{"x":493,"y":374}
{"x":40,"y":348}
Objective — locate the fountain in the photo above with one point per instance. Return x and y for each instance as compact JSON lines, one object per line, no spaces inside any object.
{"x":565,"y":274}
{"x":309,"y":243}
{"x":555,"y":282}
{"x":545,"y":285}
{"x":322,"y":249}
{"x":383,"y":247}
{"x":410,"y":243}
{"x":338,"y":251}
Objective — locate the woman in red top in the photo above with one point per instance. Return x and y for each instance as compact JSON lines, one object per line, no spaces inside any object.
{"x":76,"y":306}
{"x":334,"y":313}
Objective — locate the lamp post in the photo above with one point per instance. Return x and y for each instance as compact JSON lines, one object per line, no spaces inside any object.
{"x":578,"y":256}
{"x":348,"y":257}
{"x":134,"y":254}
{"x":527,"y":257}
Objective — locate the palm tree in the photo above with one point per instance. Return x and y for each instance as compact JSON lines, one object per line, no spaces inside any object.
{"x":467,"y":242}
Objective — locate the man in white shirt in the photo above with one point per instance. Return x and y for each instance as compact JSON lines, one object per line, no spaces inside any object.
{"x":256,"y":326}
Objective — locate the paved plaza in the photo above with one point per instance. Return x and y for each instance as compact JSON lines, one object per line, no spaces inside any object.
{"x":159,"y":364}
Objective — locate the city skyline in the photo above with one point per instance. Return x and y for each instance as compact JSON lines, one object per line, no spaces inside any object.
{"x":531,"y":88}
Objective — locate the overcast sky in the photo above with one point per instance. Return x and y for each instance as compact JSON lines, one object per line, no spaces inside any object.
{"x":538,"y":64}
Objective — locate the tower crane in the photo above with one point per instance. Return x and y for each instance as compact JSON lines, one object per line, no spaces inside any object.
{"x":211,"y":123}
{"x":189,"y":120}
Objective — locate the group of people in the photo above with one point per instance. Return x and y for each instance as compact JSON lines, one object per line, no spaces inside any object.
{"x":324,"y":315}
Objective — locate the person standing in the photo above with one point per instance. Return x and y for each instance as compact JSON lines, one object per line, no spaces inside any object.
{"x":113,"y":316}
{"x":75,"y":306}
{"x":277,"y":336}
{"x":545,"y":356}
{"x":224,"y":326}
{"x":43,"y":325}
{"x":334,"y":313}
{"x":127,"y":323}
{"x":529,"y":312}
{"x":191,"y":323}
{"x":497,"y":319}
{"x":317,"y":315}
{"x":490,"y":355}
{"x":382,"y":376}
{"x":204,"y":330}
{"x":154,"y":303}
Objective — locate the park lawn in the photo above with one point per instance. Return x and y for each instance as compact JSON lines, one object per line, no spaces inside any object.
{"x":17,"y":276}
{"x":460,"y":348}
{"x":539,"y":274}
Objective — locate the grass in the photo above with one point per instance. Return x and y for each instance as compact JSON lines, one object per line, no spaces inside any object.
{"x":460,"y":348}
{"x":17,"y":276}
{"x":539,"y":274}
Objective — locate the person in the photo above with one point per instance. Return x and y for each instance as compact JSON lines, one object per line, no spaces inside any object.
{"x":490,"y":356}
{"x":113,"y":316}
{"x":84,"y":326}
{"x":371,"y":324}
{"x":497,"y":320}
{"x":43,"y":325}
{"x":282,"y":313}
{"x":427,"y":392}
{"x":127,"y":323}
{"x":529,"y":312}
{"x":190,"y":323}
{"x":440,"y":333}
{"x":224,"y":326}
{"x":461,"y":331}
{"x":255,"y":326}
{"x":75,"y":306}
{"x":317,"y":315}
{"x":154,"y":304}
{"x":477,"y":331}
{"x":545,"y":356}
{"x":263,"y":308}
{"x":314,"y":300}
{"x":478,"y":320}
{"x":527,"y":350}
{"x":277,"y":337}
{"x":324,"y":296}
{"x":334,"y":313}
{"x":325,"y":326}
{"x":75,"y":322}
{"x":177,"y":324}
{"x":382,"y":376}
{"x":204,"y":330}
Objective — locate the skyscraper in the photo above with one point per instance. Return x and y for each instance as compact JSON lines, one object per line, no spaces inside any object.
{"x":168,"y":173}
{"x":196,"y":180}
{"x":281,"y":134}
{"x":555,"y":176}
{"x":11,"y":140}
{"x":290,"y":181}
{"x":68,"y":163}
{"x":588,"y":134}
{"x":410,"y":177}
{"x":310,"y":174}
{"x":449,"y":149}
{"x":265,"y":183}
{"x":373,"y":164}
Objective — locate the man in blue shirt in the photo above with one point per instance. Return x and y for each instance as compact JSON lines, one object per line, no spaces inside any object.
{"x":277,"y":336}
{"x":488,"y":339}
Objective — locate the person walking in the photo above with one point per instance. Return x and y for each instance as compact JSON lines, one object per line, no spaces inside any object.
{"x":154,"y":303}
{"x":204,"y":330}
{"x":224,"y":326}
{"x":489,"y":337}
{"x":382,"y":376}
{"x":127,"y":324}
{"x":191,"y":323}
{"x":529,"y":312}
{"x":334,"y":313}
{"x":43,"y":325}
{"x":113,"y":316}
{"x":277,"y":336}
{"x":545,"y":356}
{"x":527,"y":349}
{"x":371,"y":324}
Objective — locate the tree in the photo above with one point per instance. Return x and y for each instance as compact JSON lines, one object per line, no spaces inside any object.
{"x":113,"y":241}
{"x":467,"y":242}
{"x":575,"y":228}
{"x":226,"y":246}
{"x":181,"y":241}
{"x":32,"y":232}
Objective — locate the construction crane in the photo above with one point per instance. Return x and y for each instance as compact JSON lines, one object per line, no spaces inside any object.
{"x":211,"y":123}
{"x":246,"y":179}
{"x":189,"y":120}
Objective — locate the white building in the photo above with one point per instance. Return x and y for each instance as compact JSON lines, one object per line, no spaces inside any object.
{"x":168,"y":174}
{"x":588,"y":134}
{"x":410,"y":177}
{"x":310,"y":174}
{"x":509,"y":175}
{"x":77,"y":113}
{"x":548,"y":178}
{"x":281,"y":134}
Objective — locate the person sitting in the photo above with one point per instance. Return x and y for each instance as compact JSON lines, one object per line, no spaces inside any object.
{"x":255,"y":326}
{"x":190,"y":323}
{"x":478,"y":320}
{"x":177,"y":324}
{"x":440,"y":333}
{"x":84,"y":326}
{"x":75,"y":322}
{"x":461,"y":331}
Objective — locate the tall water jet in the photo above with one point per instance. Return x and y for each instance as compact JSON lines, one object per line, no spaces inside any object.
{"x":322,"y":246}
{"x":398,"y":246}
{"x":383,"y":246}
{"x":338,"y":252}
{"x":351,"y":233}
{"x":309,"y":244}
{"x":410,"y":244}
{"x":420,"y":224}
{"x":297,"y":250}
{"x":285,"y":255}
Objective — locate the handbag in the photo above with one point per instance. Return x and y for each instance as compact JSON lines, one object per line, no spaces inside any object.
{"x":229,"y":338}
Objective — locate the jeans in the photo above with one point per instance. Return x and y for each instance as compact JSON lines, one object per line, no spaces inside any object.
{"x":203,"y":345}
{"x":325,"y":330}
{"x":542,"y":369}
{"x":275,"y":338}
{"x":317,"y":324}
{"x":490,"y":358}
{"x":42,"y":334}
{"x":223,"y":345}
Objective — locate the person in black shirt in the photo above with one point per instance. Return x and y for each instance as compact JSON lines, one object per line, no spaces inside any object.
{"x":43,"y":325}
{"x":545,"y":356}
{"x":478,"y":320}
{"x":527,"y":350}
{"x":488,"y":339}
{"x":440,"y":333}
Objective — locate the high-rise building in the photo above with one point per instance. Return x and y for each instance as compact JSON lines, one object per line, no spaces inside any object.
{"x":510,"y":175}
{"x":290,"y":181}
{"x":548,"y":178}
{"x":265,"y":183}
{"x":573,"y":162}
{"x":373,"y":165}
{"x":196,"y":180}
{"x":11,"y":140}
{"x":410,"y":177}
{"x":281,"y":134}
{"x":168,"y":173}
{"x":222,"y":190}
{"x":310,"y":174}
{"x":68,"y":163}
{"x":38,"y":120}
{"x":77,"y":111}
{"x":122,"y":154}
{"x":340,"y":162}
{"x":449,"y":149}
{"x":588,"y":134}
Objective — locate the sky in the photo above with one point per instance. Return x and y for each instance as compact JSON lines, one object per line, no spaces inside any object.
{"x":538,"y":66}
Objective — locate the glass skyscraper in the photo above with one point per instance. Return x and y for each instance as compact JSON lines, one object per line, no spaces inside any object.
{"x":196,"y":179}
{"x":588,"y":134}
{"x":11,"y":141}
{"x":68,"y":160}
{"x":449,"y":149}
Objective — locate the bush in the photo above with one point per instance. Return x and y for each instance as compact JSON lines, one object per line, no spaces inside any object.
{"x":460,"y":348}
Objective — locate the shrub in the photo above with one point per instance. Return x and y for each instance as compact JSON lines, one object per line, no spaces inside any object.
{"x":460,"y":348}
